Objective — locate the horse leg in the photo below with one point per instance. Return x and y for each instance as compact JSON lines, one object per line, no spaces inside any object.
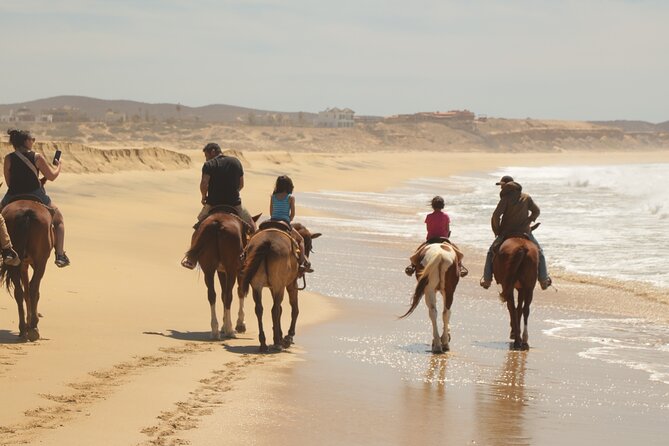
{"x":18,"y":296}
{"x":446,"y":316}
{"x":431,"y":302}
{"x":513,"y":316}
{"x":240,"y":326}
{"x":294,"y":312}
{"x":277,"y":298}
{"x":226,"y":287}
{"x":257,"y":299}
{"x":526,"y":316}
{"x":211,"y":297}
{"x":38,"y":273}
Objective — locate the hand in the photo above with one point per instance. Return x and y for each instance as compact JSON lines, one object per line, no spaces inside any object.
{"x":42,"y":181}
{"x":204,"y":200}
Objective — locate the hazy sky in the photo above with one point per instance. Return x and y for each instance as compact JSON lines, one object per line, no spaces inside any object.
{"x":539,"y":59}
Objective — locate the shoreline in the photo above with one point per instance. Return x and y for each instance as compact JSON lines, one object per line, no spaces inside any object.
{"x":125,"y":353}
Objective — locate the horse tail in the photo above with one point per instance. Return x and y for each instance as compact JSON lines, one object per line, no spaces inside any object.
{"x":202,"y":238}
{"x":512,"y":272}
{"x":433,"y":263}
{"x":20,"y":241}
{"x":254,"y":259}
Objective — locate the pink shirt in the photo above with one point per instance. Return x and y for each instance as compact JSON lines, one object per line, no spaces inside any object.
{"x":438,"y":224}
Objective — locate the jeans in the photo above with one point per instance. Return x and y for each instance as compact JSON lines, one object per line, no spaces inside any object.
{"x":543,"y":270}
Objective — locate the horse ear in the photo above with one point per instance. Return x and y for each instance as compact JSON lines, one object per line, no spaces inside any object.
{"x":256,"y":217}
{"x":316,"y":235}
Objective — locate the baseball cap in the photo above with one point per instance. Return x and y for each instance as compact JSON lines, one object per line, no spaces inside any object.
{"x":505,"y":179}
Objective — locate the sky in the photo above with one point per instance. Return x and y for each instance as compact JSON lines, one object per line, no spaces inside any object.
{"x":582,"y":60}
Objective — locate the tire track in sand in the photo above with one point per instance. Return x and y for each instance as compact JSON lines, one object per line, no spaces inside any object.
{"x":99,"y":385}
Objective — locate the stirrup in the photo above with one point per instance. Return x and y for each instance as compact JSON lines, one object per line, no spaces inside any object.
{"x":485,"y":284}
{"x":62,"y":260}
{"x":187,"y":263}
{"x":463,"y":271}
{"x":545,"y":283}
{"x":409,"y":270}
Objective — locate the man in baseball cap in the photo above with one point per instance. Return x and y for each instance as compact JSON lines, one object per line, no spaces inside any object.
{"x":514,"y":213}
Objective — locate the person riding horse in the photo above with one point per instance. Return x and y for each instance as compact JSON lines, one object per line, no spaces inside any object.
{"x":514,"y":214}
{"x":222,"y":179}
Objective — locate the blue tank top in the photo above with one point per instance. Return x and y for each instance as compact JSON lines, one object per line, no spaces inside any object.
{"x":281,"y":208}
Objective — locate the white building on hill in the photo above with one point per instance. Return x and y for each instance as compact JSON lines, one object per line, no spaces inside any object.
{"x":335,"y":117}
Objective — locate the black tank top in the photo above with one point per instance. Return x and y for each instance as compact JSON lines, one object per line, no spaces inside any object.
{"x":22,"y":179}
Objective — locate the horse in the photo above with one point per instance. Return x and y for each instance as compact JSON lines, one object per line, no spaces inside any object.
{"x":217,"y":245}
{"x":515,"y":267}
{"x":438,"y":271}
{"x":29,"y":224}
{"x":276,"y":252}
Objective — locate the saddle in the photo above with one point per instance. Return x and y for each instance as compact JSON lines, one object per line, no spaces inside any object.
{"x":224,"y":209}
{"x":34,"y":198}
{"x":495,"y":246}
{"x":276,"y":224}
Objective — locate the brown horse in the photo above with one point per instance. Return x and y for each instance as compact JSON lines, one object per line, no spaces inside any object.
{"x":438,"y":271}
{"x":29,"y":226}
{"x":516,"y":268}
{"x":272,"y":262}
{"x":217,"y":246}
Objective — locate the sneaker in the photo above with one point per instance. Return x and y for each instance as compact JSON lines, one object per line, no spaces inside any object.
{"x":545,"y":283}
{"x":188,"y":263}
{"x":463,"y":271}
{"x":62,"y":260}
{"x":10,"y":257}
{"x":485,"y":283}
{"x":409,"y":270}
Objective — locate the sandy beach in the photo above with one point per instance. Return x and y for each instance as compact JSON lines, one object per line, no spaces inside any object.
{"x":125,"y":356}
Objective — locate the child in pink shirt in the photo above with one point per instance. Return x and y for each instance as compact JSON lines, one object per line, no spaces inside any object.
{"x":438,"y":225}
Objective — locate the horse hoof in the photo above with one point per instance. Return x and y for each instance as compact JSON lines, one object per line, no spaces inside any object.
{"x":517,"y":346}
{"x":263,"y":349}
{"x":228,"y":336}
{"x":288,"y":341}
{"x":525,"y":346}
{"x":446,"y":348}
{"x":33,"y":335}
{"x":241,"y":328}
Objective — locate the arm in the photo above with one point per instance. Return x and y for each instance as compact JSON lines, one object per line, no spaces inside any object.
{"x":204,"y":186}
{"x":292,"y":207}
{"x":497,"y":215}
{"x":271,"y":207}
{"x":534,"y":210}
{"x":241,"y":182}
{"x":7,"y":166}
{"x":50,"y":172}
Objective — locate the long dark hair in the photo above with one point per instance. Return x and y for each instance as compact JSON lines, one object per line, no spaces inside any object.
{"x":18,"y":138}
{"x":283,"y":184}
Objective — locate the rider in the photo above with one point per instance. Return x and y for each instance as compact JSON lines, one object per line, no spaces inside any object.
{"x":438,"y":230}
{"x":282,"y":208}
{"x":21,"y":169}
{"x":513,"y":214}
{"x":222,"y":179}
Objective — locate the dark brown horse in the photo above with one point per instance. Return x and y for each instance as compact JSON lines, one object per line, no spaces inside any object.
{"x":437,"y":272}
{"x":272,"y":262}
{"x":217,"y":246}
{"x":29,"y":226}
{"x":516,"y":268}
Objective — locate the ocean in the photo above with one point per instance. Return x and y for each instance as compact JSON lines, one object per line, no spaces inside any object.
{"x":608,"y":222}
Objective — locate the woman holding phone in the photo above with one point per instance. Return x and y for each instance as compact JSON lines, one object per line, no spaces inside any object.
{"x":21,"y":169}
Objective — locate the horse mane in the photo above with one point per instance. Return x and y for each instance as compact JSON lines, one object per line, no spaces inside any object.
{"x":253,"y":262}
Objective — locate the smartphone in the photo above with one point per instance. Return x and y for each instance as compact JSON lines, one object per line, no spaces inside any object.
{"x":56,"y":157}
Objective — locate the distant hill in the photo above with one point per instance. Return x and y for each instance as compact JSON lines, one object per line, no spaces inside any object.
{"x":633,"y":126}
{"x":96,"y":110}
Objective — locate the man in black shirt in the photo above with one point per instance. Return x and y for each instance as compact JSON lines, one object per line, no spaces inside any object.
{"x":222,"y":179}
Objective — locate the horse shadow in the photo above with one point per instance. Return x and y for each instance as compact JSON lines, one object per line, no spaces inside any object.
{"x":9,"y":337}
{"x":192,"y":336}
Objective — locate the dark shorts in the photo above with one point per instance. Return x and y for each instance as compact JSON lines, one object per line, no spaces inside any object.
{"x":40,"y":193}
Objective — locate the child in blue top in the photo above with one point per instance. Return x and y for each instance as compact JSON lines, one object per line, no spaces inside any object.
{"x":282,"y":208}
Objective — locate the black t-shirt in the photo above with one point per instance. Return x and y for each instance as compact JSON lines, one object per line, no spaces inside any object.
{"x":22,"y":179}
{"x":224,"y":174}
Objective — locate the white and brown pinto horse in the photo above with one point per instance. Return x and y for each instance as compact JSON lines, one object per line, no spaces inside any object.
{"x":272,"y":262}
{"x":438,"y":272}
{"x":516,"y":268}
